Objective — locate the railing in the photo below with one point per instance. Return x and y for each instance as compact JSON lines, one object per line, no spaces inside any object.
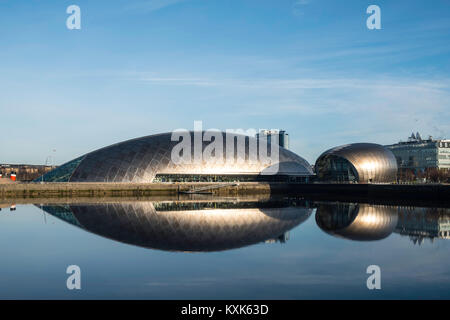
{"x":207,"y":188}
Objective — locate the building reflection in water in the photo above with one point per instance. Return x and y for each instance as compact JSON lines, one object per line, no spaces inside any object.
{"x":366,"y":222}
{"x":214,"y":225}
{"x":187,"y":225}
{"x":363,"y":222}
{"x":424,"y":223}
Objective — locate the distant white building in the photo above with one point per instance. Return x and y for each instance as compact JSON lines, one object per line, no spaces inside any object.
{"x":420,"y":154}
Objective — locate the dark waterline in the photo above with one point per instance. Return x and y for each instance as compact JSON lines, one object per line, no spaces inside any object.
{"x":210,"y":248}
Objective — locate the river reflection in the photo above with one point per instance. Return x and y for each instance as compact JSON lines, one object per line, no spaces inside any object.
{"x":366,"y":222}
{"x":253,"y":247}
{"x":355,"y":221}
{"x":188,"y":225}
{"x":215,"y":225}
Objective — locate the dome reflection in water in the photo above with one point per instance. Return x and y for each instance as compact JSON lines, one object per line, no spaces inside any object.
{"x":187,"y":225}
{"x":357,"y":221}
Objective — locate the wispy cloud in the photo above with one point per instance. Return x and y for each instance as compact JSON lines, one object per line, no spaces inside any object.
{"x":303,"y":83}
{"x":379,"y":108}
{"x":297,"y":7}
{"x":152,"y":5}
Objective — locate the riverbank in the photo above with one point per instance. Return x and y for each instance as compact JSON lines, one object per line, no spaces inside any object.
{"x":430,"y":192}
{"x":56,"y":190}
{"x":433,"y":193}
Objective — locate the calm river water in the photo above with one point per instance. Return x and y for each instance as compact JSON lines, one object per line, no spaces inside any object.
{"x":227,"y":248}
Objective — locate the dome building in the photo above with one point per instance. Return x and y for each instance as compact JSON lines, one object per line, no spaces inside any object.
{"x":150,"y":159}
{"x":357,"y":163}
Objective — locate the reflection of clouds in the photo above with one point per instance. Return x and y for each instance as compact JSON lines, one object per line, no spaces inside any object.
{"x":191,"y":282}
{"x":263,"y":280}
{"x":311,"y":265}
{"x":354,"y":96}
{"x":151,"y":5}
{"x":297,"y":7}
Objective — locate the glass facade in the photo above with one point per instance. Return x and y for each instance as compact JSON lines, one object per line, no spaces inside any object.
{"x":336,"y":169}
{"x":62,"y":212}
{"x":229,"y":178}
{"x":62,"y":173}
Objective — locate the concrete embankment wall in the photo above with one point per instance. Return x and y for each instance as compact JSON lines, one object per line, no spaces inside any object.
{"x":438,"y":193}
{"x":37,"y":190}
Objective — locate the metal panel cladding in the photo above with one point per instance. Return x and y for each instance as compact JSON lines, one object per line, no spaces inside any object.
{"x":369,"y":162}
{"x":140,"y":160}
{"x":184,"y":226}
{"x":362,"y":222}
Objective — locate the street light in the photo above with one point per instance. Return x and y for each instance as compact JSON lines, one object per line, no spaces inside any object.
{"x":47,"y":162}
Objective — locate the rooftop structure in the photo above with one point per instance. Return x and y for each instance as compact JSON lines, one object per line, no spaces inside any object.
{"x":421,"y":154}
{"x":271,"y":135}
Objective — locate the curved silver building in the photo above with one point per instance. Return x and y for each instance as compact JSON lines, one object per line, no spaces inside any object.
{"x":357,"y":221}
{"x":149,"y":159}
{"x":358,"y":162}
{"x":186,"y":225}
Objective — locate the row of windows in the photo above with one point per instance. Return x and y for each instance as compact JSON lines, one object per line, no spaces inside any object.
{"x":335,"y":169}
{"x":428,"y":159}
{"x":229,"y":178}
{"x":420,"y":148}
{"x":423,"y":151}
{"x":183,"y":206}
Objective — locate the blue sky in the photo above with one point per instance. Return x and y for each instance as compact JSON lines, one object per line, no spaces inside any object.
{"x":142,"y":67}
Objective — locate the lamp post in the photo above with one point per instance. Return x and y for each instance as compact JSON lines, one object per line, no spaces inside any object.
{"x":48,"y":160}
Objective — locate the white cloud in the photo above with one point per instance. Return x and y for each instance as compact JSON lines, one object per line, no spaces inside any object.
{"x":379,"y":109}
{"x":297,"y":7}
{"x":153,"y":5}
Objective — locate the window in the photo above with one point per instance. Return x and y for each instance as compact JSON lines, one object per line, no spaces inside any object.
{"x":62,"y":173}
{"x":332,"y":168}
